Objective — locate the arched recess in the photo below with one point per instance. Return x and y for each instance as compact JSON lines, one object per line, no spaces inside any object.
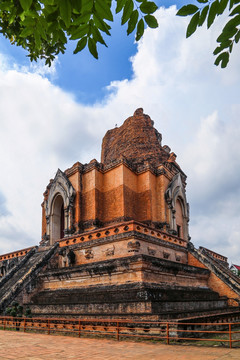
{"x":178,"y":207}
{"x":59,"y":208}
{"x":57,"y":224}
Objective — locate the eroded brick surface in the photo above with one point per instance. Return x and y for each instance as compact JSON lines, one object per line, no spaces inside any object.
{"x":136,"y":139}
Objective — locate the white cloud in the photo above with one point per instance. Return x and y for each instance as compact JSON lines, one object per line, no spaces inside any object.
{"x":194,"y":105}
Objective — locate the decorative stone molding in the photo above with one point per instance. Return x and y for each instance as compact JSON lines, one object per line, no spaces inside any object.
{"x":60,"y":187}
{"x":133,"y":246}
{"x":176,"y":191}
{"x":110,"y":251}
{"x":178,"y":257}
{"x":166,"y":255}
{"x":68,"y":257}
{"x":151,"y":251}
{"x":89,"y":254}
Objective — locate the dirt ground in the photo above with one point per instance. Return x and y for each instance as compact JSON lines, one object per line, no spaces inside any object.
{"x":44,"y":347}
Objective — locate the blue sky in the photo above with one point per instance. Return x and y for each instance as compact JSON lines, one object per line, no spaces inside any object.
{"x":83,"y":75}
{"x":51,"y":118}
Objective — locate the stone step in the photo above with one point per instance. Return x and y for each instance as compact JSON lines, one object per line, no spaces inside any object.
{"x":222,"y":272}
{"x":26,"y":271}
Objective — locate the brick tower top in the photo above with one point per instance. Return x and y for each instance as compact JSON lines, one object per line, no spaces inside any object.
{"x":136,"y":140}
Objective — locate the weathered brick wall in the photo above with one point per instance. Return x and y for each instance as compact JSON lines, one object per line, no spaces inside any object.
{"x":44,"y":222}
{"x":136,"y":139}
{"x":120,"y":194}
{"x":129,"y":184}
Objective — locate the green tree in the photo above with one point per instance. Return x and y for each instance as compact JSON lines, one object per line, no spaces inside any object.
{"x":43,"y":27}
{"x":17,"y":310}
{"x":208,"y":11}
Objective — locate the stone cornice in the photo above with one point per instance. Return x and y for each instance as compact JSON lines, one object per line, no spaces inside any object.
{"x":17,"y":253}
{"x":124,"y":230}
{"x":163,"y":168}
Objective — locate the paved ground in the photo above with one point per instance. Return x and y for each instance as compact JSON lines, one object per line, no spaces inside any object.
{"x":44,"y":347}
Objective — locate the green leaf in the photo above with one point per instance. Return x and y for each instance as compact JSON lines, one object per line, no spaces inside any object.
{"x":132,"y":22}
{"x":30,"y":21}
{"x":140,"y":30}
{"x":120,"y":5}
{"x":80,"y":45}
{"x":217,"y":50}
{"x":223,"y":45}
{"x":26,"y":32}
{"x":192,"y":26}
{"x":104,"y":10}
{"x":92,"y":47}
{"x":237,"y":37}
{"x":49,"y":2}
{"x":82,"y":19}
{"x":26,"y":4}
{"x":151,"y":21}
{"x":222,"y":6}
{"x":236,"y":10}
{"x":202,"y":1}
{"x":77,"y":5}
{"x":80,"y":32}
{"x":232,"y":3}
{"x":87,"y":5}
{"x":65,"y":11}
{"x":52,"y":16}
{"x":212,"y":13}
{"x":22,"y":16}
{"x":187,"y":10}
{"x":41,"y":29}
{"x":148,"y":7}
{"x":127,"y":11}
{"x":203,"y":15}
{"x":223,"y":58}
{"x":232,"y":23}
{"x":226,"y":34}
{"x":101,"y":24}
{"x":37,"y":40}
{"x":97,"y":35}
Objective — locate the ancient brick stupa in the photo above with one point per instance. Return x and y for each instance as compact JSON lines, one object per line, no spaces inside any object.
{"x":137,"y":179}
{"x":115,"y":239}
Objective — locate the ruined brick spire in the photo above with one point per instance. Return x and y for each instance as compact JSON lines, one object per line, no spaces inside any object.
{"x":137,"y":140}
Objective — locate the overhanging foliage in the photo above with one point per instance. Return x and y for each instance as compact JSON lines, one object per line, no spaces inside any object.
{"x":208,"y":11}
{"x":43,"y":27}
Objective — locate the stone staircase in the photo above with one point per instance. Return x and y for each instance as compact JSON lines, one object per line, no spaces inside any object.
{"x":21,"y":275}
{"x":222,"y":272}
{"x":20,"y":262}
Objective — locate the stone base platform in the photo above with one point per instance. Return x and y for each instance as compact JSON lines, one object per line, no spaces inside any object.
{"x":136,"y":287}
{"x":135,"y":301}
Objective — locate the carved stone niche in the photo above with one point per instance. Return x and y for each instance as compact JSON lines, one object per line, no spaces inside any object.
{"x":151,"y":251}
{"x":68,"y":257}
{"x":110,"y":251}
{"x":89,"y":254}
{"x":178,"y":257}
{"x":133,"y":246}
{"x":166,"y":255}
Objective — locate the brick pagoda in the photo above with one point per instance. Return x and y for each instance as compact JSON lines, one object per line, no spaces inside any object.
{"x":115,"y":239}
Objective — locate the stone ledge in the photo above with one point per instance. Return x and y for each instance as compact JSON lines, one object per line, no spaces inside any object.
{"x":112,"y":264}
